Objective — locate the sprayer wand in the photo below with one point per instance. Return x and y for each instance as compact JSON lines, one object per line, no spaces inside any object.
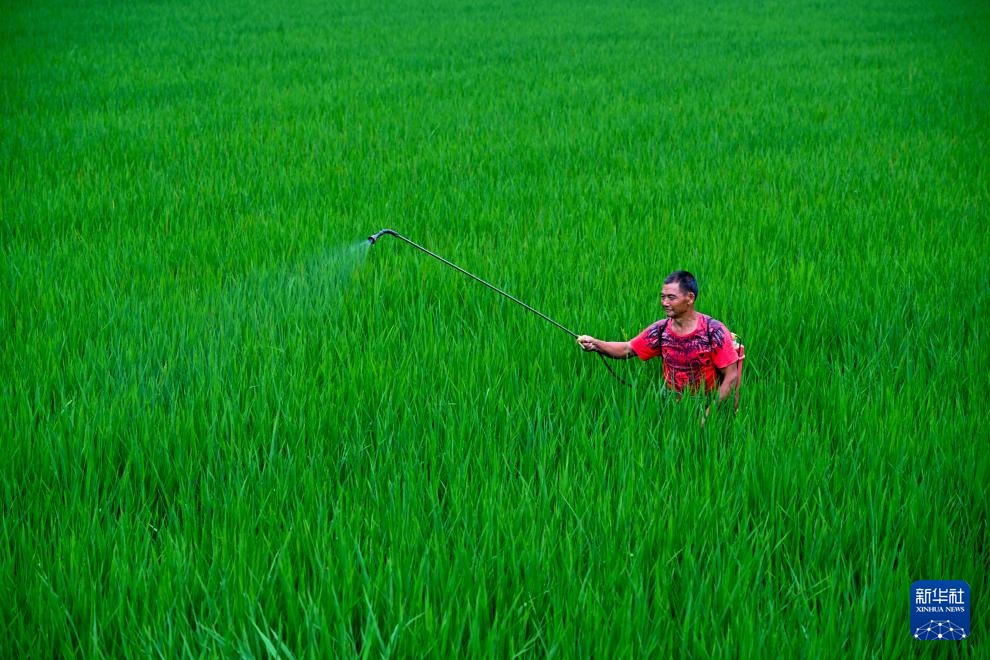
{"x":374,"y":237}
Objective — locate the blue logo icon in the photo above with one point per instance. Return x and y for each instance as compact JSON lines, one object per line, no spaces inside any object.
{"x":940,"y":609}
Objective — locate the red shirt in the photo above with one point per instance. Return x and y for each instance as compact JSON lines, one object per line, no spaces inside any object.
{"x":688,"y":360}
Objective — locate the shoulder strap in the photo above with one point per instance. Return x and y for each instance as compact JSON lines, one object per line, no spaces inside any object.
{"x":663,"y":328}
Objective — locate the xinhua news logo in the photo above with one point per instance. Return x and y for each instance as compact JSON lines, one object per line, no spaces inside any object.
{"x":940,"y":609}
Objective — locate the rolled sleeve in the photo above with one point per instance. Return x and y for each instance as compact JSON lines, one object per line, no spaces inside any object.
{"x":724,"y":353}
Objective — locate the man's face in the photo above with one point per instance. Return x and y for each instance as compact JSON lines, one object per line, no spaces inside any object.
{"x":675,"y":302}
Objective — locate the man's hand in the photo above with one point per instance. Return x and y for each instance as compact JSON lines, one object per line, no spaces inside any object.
{"x":617,"y":350}
{"x":588,"y":343}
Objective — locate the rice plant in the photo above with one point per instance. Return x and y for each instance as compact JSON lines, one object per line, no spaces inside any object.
{"x":231,"y":428}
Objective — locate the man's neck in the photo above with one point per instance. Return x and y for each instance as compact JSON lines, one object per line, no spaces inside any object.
{"x":685,"y":323}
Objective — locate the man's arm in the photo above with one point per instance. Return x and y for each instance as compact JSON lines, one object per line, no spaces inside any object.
{"x":617,"y":350}
{"x":730,"y":376}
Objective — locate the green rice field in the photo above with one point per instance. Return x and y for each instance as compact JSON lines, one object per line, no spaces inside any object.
{"x":231,"y":427}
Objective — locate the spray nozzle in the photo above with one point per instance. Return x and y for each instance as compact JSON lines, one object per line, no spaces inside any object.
{"x":375,"y":237}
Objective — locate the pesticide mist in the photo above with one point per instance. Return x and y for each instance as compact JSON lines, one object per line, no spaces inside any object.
{"x":311,"y":287}
{"x":252,"y":325}
{"x":287,"y":309}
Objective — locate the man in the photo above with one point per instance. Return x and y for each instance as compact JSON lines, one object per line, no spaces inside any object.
{"x":697,"y":351}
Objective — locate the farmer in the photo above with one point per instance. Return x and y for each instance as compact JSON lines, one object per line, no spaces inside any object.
{"x":697,"y":351}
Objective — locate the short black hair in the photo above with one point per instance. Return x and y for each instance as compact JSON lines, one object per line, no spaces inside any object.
{"x":684,"y":280}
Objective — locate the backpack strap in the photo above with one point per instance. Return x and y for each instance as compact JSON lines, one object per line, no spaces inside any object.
{"x":663,"y":329}
{"x":742,"y":357}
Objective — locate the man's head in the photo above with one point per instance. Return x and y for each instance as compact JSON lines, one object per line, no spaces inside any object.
{"x":680,"y":290}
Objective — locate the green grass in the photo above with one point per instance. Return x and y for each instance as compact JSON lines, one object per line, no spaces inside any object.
{"x":226,"y":430}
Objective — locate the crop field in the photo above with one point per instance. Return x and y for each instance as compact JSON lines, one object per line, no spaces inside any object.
{"x":230,"y":426}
